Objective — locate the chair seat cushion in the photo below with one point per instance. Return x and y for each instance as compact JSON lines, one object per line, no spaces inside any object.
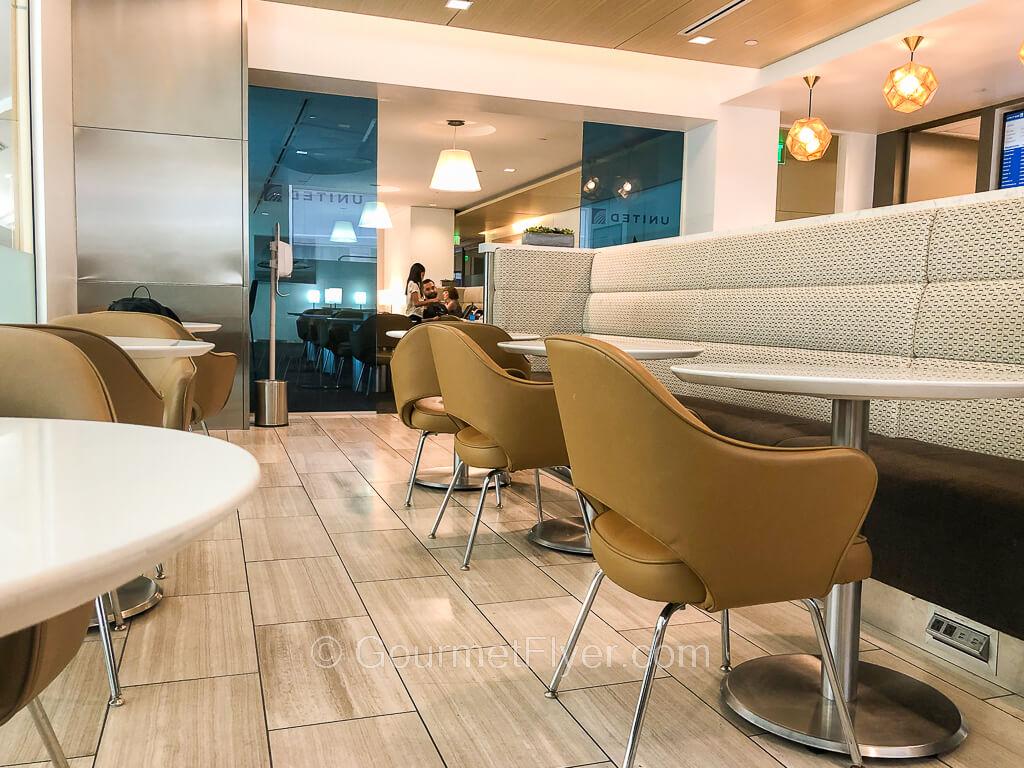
{"x":856,"y":566}
{"x":478,"y":450}
{"x":428,"y":413}
{"x":641,"y":564}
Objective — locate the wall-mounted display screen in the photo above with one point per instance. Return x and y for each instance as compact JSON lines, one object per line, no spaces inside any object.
{"x":1011,"y":173}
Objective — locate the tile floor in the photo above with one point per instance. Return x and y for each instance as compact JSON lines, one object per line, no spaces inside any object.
{"x":320,"y":626}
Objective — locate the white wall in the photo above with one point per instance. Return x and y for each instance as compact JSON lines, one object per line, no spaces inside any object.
{"x":418,"y":234}
{"x":855,"y":172}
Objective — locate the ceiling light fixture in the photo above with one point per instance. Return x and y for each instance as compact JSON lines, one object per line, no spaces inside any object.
{"x":750,"y":42}
{"x":701,"y":40}
{"x":458,"y":5}
{"x":1020,"y":53}
{"x":809,"y":137}
{"x":591,"y":184}
{"x":912,"y":86}
{"x":510,"y":170}
{"x":455,"y":171}
{"x":624,"y":190}
{"x":301,"y":152}
{"x":375,"y":216}
{"x":343,"y":232}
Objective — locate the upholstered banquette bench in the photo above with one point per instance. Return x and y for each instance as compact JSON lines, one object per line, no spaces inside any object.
{"x":928,"y":285}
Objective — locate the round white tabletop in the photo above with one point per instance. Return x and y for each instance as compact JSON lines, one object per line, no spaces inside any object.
{"x":144,"y":349}
{"x":86,"y":506}
{"x":857,"y":383}
{"x":640,"y":349}
{"x":202,"y":327}
{"x":515,"y":336}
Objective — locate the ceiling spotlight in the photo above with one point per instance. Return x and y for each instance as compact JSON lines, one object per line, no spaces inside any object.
{"x":750,"y":42}
{"x":591,"y":184}
{"x":809,"y":137}
{"x":510,"y":170}
{"x":911,"y":86}
{"x":701,"y":40}
{"x":458,"y":5}
{"x":624,"y":190}
{"x":301,"y":152}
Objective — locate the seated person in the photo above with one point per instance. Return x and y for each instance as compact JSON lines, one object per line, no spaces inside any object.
{"x":433,"y":305}
{"x":450,"y":297}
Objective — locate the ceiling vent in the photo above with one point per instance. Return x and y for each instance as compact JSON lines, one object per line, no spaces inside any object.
{"x":714,"y":16}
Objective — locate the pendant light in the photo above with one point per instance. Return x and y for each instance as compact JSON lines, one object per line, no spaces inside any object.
{"x":375,"y":216}
{"x":809,"y":137}
{"x":1020,"y":53}
{"x":343,"y":232}
{"x":455,"y":171}
{"x":910,"y":87}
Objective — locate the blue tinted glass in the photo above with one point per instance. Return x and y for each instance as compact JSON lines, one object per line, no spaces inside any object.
{"x":632,"y":184}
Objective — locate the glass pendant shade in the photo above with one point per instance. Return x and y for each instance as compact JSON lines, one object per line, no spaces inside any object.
{"x":808,"y":139}
{"x":343,"y":232}
{"x":910,"y":87}
{"x":375,"y":216}
{"x":455,"y":172}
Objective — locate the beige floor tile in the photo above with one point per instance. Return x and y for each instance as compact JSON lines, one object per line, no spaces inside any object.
{"x":203,"y":567}
{"x":390,"y":741}
{"x":321,"y":671}
{"x":1013,"y":704}
{"x":321,"y":461}
{"x":267,"y":453}
{"x":375,"y":555}
{"x":75,"y":702}
{"x":297,"y":428}
{"x":779,"y":628}
{"x":798,"y":756}
{"x":453,"y":531}
{"x":358,"y":513}
{"x":213,"y":723}
{"x":680,"y":731}
{"x":383,"y":469}
{"x":275,"y":538}
{"x":418,"y":616}
{"x":320,"y":443}
{"x":74,"y":762}
{"x":497,"y":574}
{"x":515,"y":534}
{"x":189,"y":637}
{"x":394,"y":494}
{"x":289,"y":501}
{"x":253,"y":437}
{"x":336,"y":485}
{"x":279,"y":474}
{"x":538,"y":630}
{"x":692,"y":654}
{"x":303,"y":589}
{"x":484,"y":710}
{"x":621,"y":609}
{"x":225,"y":529}
{"x":996,"y":738}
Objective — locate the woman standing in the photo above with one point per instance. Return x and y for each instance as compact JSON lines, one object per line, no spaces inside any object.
{"x":414,"y":300}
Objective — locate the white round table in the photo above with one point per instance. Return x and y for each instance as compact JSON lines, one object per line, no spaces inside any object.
{"x":86,"y":506}
{"x":147,"y":349}
{"x":198,"y":327}
{"x":640,"y":349}
{"x":896,"y":715}
{"x":515,"y":337}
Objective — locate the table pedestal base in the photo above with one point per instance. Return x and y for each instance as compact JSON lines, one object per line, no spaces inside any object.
{"x":138,"y":595}
{"x":439,"y":477}
{"x":564,"y":534}
{"x":894,"y":715}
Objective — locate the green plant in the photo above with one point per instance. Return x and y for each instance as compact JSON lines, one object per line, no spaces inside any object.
{"x":549,"y":230}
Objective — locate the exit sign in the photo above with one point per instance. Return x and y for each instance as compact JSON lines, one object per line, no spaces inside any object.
{"x":457,"y":238}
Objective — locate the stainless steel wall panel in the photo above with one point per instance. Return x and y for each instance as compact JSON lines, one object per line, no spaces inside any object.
{"x":173,"y":66}
{"x":228,"y":305}
{"x":159,"y":208}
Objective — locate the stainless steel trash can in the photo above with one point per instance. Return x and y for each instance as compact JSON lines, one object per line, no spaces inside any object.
{"x":271,"y":405}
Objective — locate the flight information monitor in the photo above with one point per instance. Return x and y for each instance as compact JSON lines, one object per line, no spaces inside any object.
{"x":1011,"y":173}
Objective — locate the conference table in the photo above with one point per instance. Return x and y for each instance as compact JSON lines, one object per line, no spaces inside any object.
{"x":896,"y":716}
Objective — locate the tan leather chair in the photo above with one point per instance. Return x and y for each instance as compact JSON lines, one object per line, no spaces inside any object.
{"x":506,"y":423}
{"x":670,"y":494}
{"x":46,"y":377}
{"x":174,"y":378}
{"x":32,"y":659}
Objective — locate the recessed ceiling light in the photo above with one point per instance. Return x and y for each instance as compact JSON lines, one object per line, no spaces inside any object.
{"x":510,"y":170}
{"x":701,"y":40}
{"x":458,"y":5}
{"x":312,"y":117}
{"x":750,"y":42}
{"x":301,"y":152}
{"x":264,"y":213}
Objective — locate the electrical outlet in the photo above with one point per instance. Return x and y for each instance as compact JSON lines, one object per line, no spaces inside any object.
{"x":960,"y":636}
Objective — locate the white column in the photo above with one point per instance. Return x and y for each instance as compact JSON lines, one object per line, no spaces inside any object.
{"x":855,"y":172}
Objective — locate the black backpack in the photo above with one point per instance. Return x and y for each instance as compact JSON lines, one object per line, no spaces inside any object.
{"x":148,"y":305}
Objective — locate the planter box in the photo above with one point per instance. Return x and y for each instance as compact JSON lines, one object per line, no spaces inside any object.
{"x":550,"y":240}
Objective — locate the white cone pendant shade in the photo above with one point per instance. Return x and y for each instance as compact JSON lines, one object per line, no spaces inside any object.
{"x":375,"y":216}
{"x":455,"y":172}
{"x":343,"y":232}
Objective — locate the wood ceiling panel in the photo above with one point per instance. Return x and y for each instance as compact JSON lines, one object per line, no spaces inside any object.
{"x":429,"y":11}
{"x":781,"y":27}
{"x":559,"y":194}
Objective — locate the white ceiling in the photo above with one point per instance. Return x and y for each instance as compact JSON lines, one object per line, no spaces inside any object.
{"x":973,"y":52}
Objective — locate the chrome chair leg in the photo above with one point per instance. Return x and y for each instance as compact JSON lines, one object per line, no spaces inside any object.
{"x":497,"y":488}
{"x":726,"y":643}
{"x":645,"y":688}
{"x":115,"y":608}
{"x":206,"y":430}
{"x":160,"y":573}
{"x":447,"y":496}
{"x":833,"y":679}
{"x":46,"y":733}
{"x":108,"y":654}
{"x":415,"y":466}
{"x":493,"y":476}
{"x":540,"y":510}
{"x":585,"y":512}
{"x":570,"y":645}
